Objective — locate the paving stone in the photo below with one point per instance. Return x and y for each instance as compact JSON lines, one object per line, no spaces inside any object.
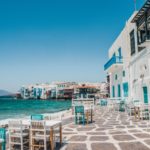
{"x":85,"y":128}
{"x":78,"y":138}
{"x":117,"y":132}
{"x":76,"y":146}
{"x":99,"y":138}
{"x":69,"y":133}
{"x":143,"y":126}
{"x":103,"y":129}
{"x":68,"y":129}
{"x":103,"y":146}
{"x":147,"y":142}
{"x":130,"y":126}
{"x":134,"y":131}
{"x":142,"y":135}
{"x":120,"y":127}
{"x":133,"y":146}
{"x":96,"y":133}
{"x":123,"y":137}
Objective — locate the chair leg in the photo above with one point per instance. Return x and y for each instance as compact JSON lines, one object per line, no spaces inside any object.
{"x":83,"y":119}
{"x":76,"y":118}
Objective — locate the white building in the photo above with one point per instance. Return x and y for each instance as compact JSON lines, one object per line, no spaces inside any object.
{"x":129,"y":59}
{"x":117,"y":66}
{"x":140,"y":56}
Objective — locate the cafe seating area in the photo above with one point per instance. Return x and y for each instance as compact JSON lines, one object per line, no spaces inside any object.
{"x":39,"y":132}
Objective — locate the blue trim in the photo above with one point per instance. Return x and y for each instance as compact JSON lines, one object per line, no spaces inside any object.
{"x":112,"y":61}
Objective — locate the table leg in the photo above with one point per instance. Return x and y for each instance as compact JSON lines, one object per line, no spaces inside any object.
{"x":60,"y":134}
{"x":51,"y":138}
{"x":87,"y":116}
{"x":0,"y":146}
{"x":91,"y":116}
{"x":139,"y":113}
{"x":135,"y":113}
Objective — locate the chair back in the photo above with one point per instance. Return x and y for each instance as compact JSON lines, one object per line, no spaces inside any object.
{"x":37,"y":117}
{"x":3,"y":134}
{"x":79,"y":109}
{"x":53,"y":117}
{"x":15,"y":124}
{"x":3,"y":137}
{"x":38,"y":124}
{"x":103,"y":102}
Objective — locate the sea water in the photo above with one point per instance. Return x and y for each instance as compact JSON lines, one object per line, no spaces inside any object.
{"x":10,"y":108}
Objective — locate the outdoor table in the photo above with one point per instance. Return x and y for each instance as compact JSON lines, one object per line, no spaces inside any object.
{"x":1,"y":141}
{"x":51,"y":125}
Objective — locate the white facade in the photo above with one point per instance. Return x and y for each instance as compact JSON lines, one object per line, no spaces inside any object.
{"x":118,"y":68}
{"x":134,"y":41}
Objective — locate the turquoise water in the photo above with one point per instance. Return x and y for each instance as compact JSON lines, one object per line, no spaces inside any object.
{"x":10,"y":108}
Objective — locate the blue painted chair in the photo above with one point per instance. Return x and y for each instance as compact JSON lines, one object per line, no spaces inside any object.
{"x":37,"y":117}
{"x":3,"y":137}
{"x":79,"y":114}
{"x":122,"y":106}
{"x":103,"y":102}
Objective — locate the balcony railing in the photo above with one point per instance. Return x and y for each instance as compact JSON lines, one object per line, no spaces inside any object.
{"x":112,"y":61}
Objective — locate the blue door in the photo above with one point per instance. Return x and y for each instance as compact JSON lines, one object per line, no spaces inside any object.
{"x":125,"y":89}
{"x":145,"y":94}
{"x":113,"y":91}
{"x":119,"y":90}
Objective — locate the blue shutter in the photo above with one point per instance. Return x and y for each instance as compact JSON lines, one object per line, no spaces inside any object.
{"x":125,"y":89}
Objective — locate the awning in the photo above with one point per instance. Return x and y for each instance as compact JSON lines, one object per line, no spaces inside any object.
{"x":141,"y":12}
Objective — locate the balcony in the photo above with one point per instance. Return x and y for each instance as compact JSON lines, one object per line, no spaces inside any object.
{"x":144,"y":41}
{"x":114,"y":62}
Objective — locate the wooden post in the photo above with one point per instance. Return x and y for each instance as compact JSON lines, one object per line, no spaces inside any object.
{"x":60,"y":134}
{"x":139,"y":113}
{"x":87,"y":115}
{"x":51,"y":139}
{"x":0,"y":146}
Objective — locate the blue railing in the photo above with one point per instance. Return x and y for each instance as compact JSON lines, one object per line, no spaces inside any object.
{"x":112,"y":61}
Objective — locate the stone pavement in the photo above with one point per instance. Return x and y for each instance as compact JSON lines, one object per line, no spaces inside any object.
{"x":109,"y":131}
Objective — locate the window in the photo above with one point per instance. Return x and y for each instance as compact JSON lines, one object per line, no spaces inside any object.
{"x":120,"y":52}
{"x":132,"y":42}
{"x":119,"y":90}
{"x":116,"y":77}
{"x":124,"y":73}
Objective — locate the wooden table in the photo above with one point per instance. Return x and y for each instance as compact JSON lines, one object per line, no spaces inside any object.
{"x":51,"y":125}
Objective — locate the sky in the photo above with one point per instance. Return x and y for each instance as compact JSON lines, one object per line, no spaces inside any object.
{"x":58,"y":40}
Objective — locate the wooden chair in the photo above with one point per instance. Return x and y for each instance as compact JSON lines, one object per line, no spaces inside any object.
{"x":18,"y":135}
{"x":39,"y":135}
